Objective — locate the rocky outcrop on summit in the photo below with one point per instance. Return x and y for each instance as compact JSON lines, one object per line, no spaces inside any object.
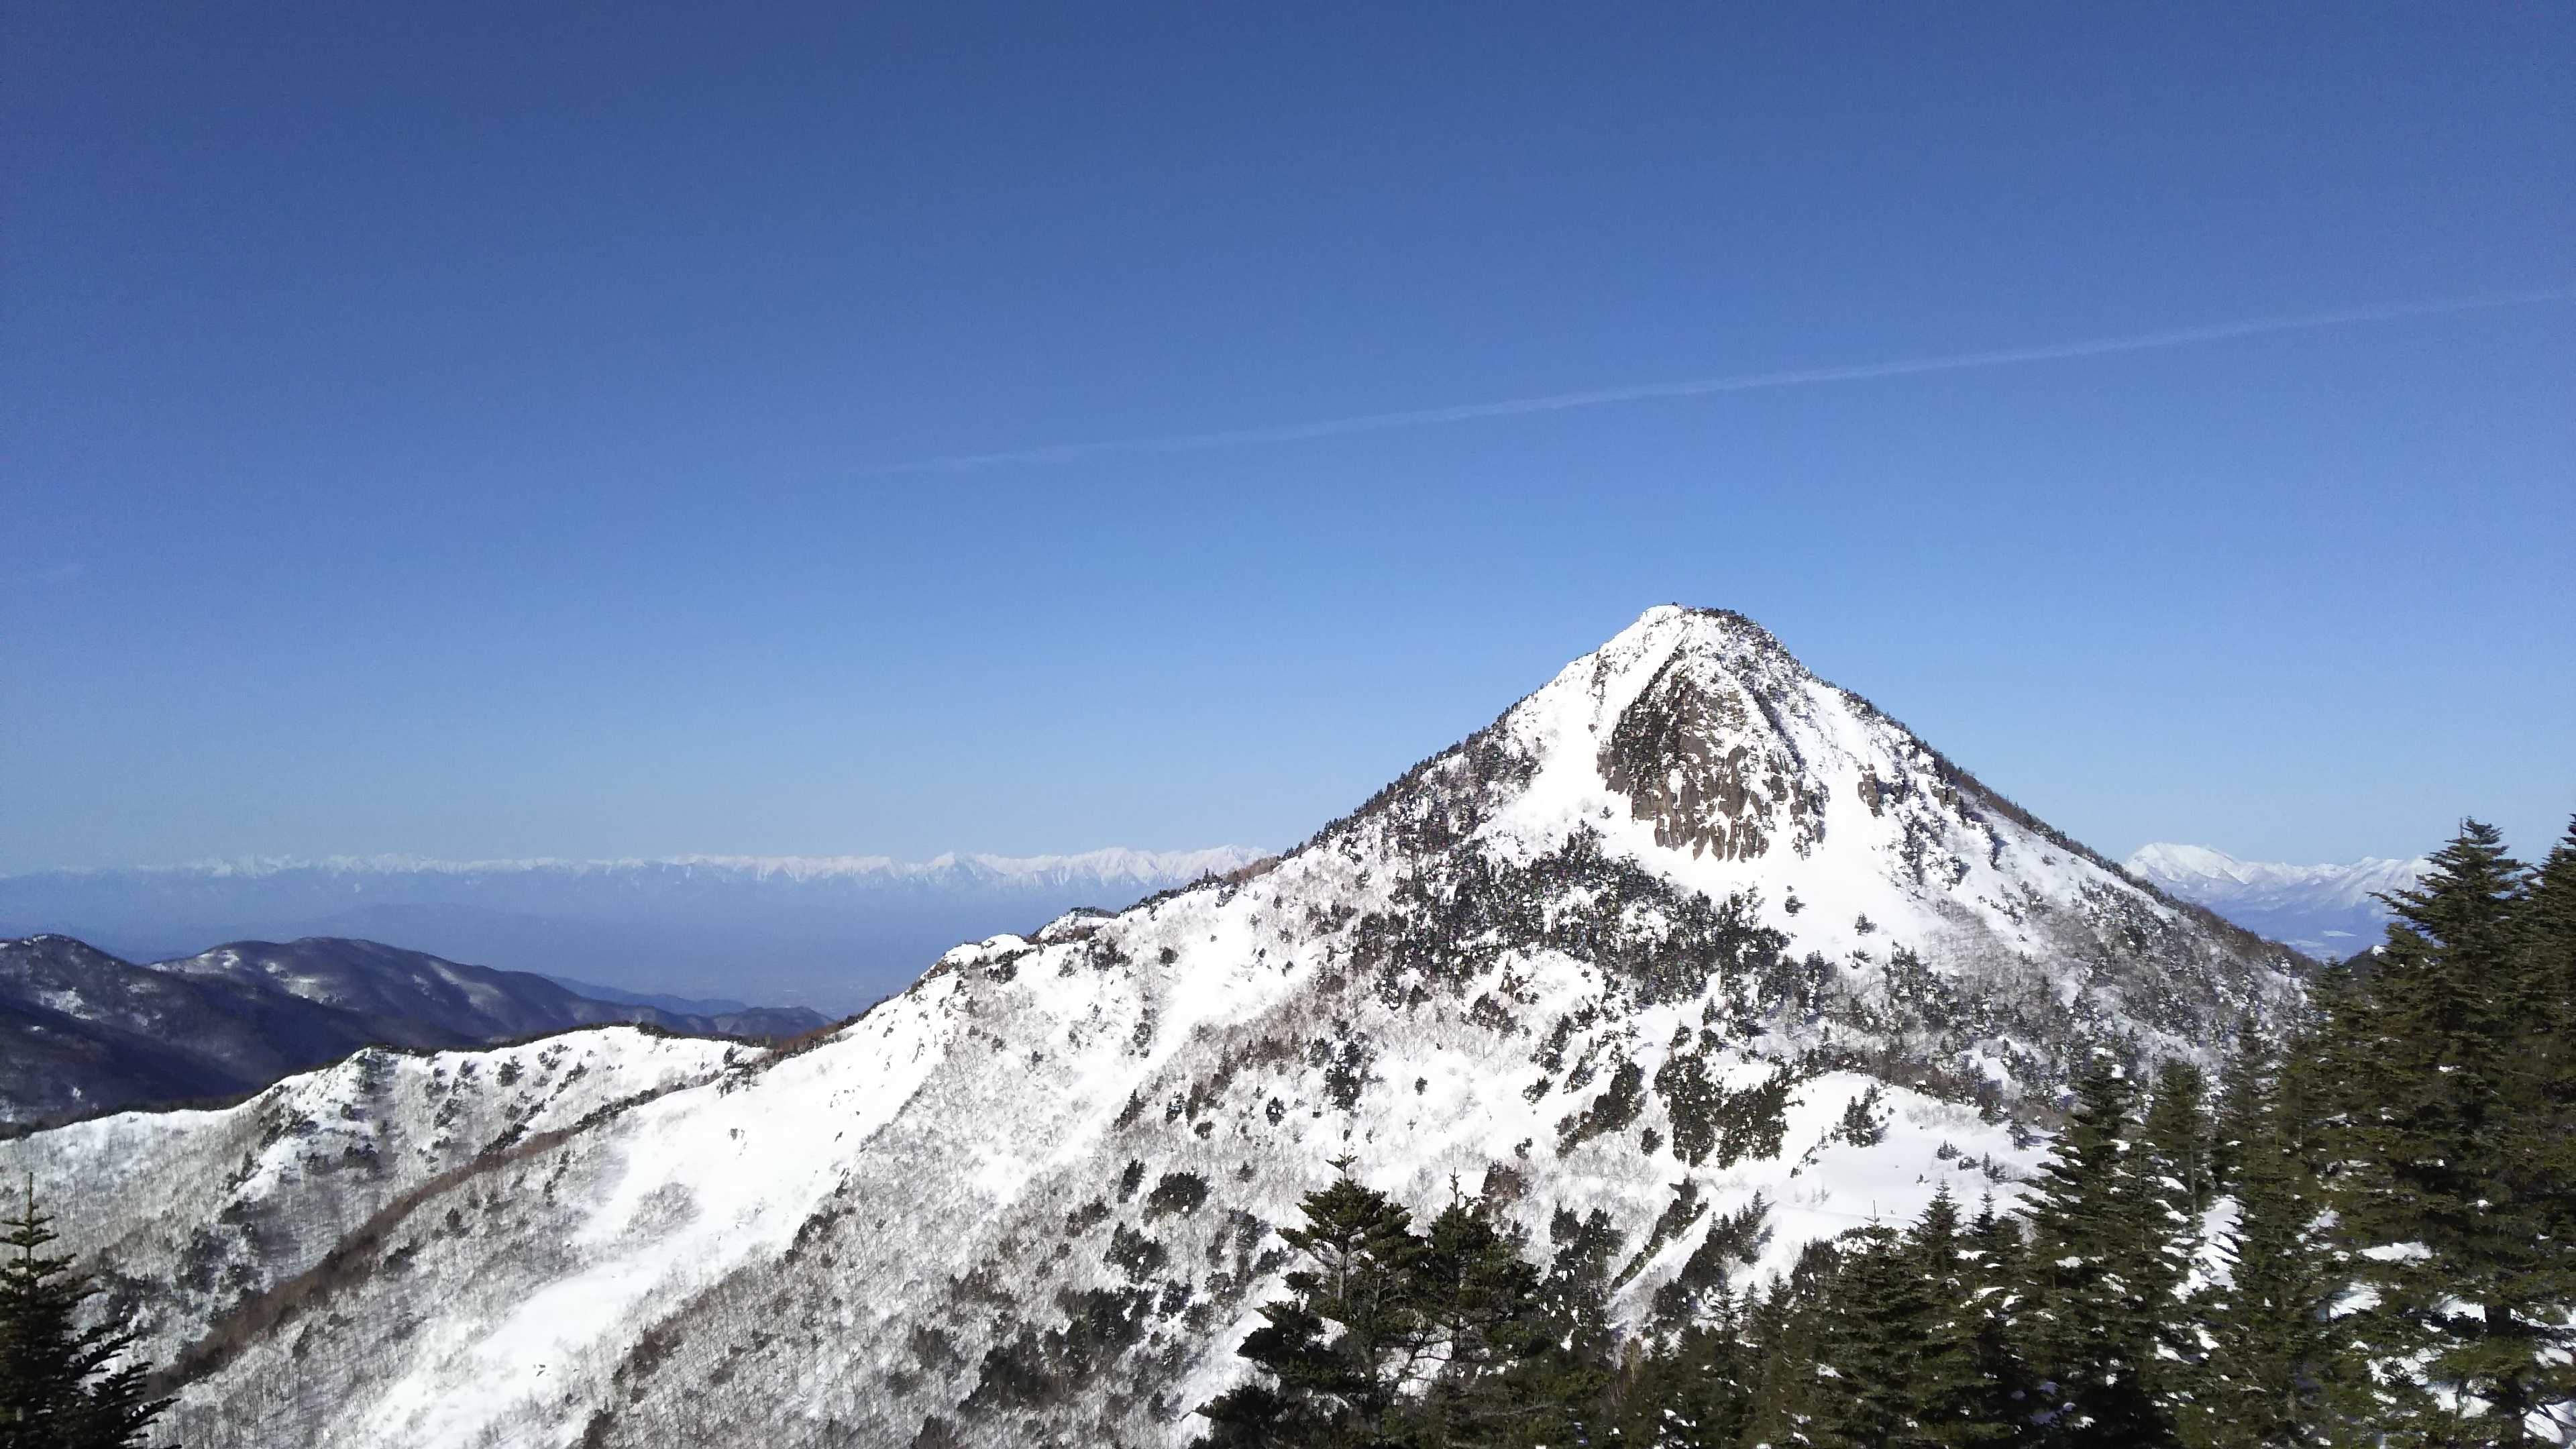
{"x":1688,"y":758}
{"x":1685,"y":942}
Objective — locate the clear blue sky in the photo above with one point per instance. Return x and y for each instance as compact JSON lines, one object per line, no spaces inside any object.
{"x":481,"y":430}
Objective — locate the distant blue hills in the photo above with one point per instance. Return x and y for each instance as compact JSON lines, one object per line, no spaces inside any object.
{"x":832,"y":933}
{"x":85,"y":1031}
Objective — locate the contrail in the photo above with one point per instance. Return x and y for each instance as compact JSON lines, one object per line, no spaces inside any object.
{"x":1740,"y":382}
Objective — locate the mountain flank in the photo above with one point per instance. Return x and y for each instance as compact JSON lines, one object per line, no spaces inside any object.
{"x":1686,"y":961}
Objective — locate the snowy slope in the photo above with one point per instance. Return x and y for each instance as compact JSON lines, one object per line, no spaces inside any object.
{"x":2327,"y":911}
{"x":1633,"y":951}
{"x":299,"y":1168}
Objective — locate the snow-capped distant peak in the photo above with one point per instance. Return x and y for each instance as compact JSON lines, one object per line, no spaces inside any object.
{"x":2164,"y":860}
{"x":2324,"y":910}
{"x":2174,"y":866}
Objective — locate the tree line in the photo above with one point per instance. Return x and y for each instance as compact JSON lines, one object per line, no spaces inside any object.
{"x":2362,"y":1233}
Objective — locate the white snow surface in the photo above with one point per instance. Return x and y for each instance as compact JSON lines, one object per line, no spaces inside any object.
{"x":725,"y":1247}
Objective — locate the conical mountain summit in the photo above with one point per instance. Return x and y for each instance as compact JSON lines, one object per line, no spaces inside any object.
{"x":1686,"y":940}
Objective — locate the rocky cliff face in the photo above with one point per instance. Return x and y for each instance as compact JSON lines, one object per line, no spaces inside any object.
{"x":1687,"y":959}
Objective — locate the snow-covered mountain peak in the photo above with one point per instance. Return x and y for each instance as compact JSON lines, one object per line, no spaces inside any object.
{"x":2164,"y":860}
{"x":1696,"y":746}
{"x":1686,"y":935}
{"x":1693,"y":717}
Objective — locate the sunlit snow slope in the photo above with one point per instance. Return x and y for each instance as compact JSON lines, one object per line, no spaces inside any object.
{"x":1633,"y":951}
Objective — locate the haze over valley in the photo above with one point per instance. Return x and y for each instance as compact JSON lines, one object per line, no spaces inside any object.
{"x":833,"y":933}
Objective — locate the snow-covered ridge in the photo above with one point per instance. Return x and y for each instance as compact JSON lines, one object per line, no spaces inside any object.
{"x":2325,"y":910}
{"x":2213,"y":873}
{"x":1111,"y":864}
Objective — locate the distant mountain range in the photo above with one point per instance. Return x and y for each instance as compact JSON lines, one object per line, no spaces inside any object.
{"x":834,"y":932}
{"x":2327,"y":911}
{"x":82,"y":1031}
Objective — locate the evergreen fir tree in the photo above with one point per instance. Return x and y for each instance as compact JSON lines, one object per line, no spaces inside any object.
{"x":1478,"y":1305}
{"x":1786,"y":1328}
{"x":2177,"y":1138}
{"x":61,"y":1386}
{"x":1574,"y":1363}
{"x":1697,"y":1393}
{"x":2088,"y":1336}
{"x":2177,"y":1187}
{"x":1999,"y":1263}
{"x":1963,"y":1385}
{"x":2548,"y":970}
{"x":2264,"y":1382}
{"x":1361,"y":1257}
{"x":2538,"y":1170}
{"x":2245,"y":1094}
{"x":1994,"y":1240}
{"x":1871,"y":1328}
{"x":2439,"y":1153}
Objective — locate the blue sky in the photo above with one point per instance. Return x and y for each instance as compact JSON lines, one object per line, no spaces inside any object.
{"x":489,"y":431}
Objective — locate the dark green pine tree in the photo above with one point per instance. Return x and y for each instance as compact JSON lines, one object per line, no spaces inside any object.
{"x":2246,"y":1090}
{"x":2539,"y":1138}
{"x":1696,"y":1392}
{"x":2439,"y":1154}
{"x":1871,"y":1328}
{"x":2178,"y":1186}
{"x":1995,"y":1243}
{"x":1786,"y":1327}
{"x":2269,"y":1376}
{"x":1331,"y":1388}
{"x":61,"y":1386}
{"x":2085,"y":1333}
{"x":1964,"y":1384}
{"x":2177,"y":1138}
{"x":1485,"y":1338}
{"x":2548,"y":972}
{"x":1999,"y":1257}
{"x":1577,"y":1359}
